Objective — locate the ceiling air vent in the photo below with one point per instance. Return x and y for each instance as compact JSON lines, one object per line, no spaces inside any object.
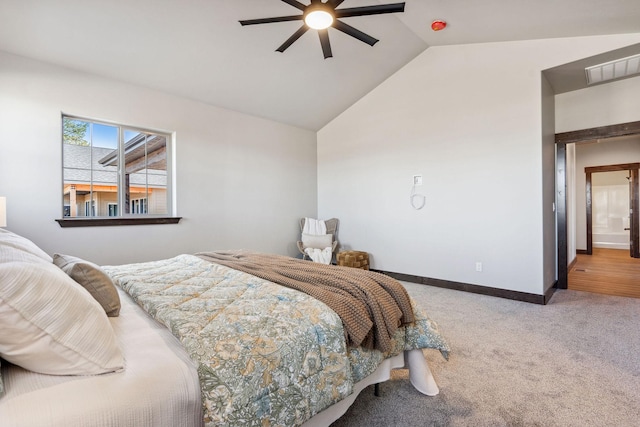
{"x":612,"y":70}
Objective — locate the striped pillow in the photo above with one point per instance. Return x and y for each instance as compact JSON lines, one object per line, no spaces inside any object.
{"x":26,"y":247}
{"x":52,"y":325}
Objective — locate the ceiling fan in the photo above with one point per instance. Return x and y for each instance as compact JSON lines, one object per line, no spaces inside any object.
{"x":322,"y":15}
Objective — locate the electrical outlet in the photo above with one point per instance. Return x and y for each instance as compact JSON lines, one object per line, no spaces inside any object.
{"x":417,"y":179}
{"x":478,"y":266}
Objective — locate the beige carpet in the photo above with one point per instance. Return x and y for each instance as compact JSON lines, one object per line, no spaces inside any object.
{"x":573,"y":362}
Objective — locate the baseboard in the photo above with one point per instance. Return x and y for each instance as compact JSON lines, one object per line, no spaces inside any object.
{"x":550,"y":292}
{"x":582,"y":251}
{"x":572,"y":264}
{"x":476,"y":289}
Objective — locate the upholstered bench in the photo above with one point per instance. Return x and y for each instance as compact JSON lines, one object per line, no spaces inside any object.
{"x":355,"y":259}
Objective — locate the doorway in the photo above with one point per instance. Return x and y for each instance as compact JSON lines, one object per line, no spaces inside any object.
{"x":612,"y":208}
{"x":562,"y":140}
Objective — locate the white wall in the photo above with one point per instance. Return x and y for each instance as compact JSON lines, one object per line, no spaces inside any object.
{"x":242,"y":182}
{"x":601,"y":105}
{"x":550,"y":250}
{"x":469,"y":119}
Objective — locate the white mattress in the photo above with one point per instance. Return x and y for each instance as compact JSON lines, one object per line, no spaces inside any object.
{"x":159,"y":386}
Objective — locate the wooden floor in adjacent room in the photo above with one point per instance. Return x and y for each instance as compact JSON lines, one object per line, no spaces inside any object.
{"x":607,"y":271}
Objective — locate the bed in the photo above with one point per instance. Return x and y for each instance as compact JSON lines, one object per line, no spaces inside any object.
{"x":200,"y":344}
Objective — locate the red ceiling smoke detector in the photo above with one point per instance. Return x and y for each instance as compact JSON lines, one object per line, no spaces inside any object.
{"x":438,"y":25}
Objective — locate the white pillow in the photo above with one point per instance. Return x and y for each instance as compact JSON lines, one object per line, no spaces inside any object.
{"x":52,"y":325}
{"x":9,"y":240}
{"x":317,"y":241}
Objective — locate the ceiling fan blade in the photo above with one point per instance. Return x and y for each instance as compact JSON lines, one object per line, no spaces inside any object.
{"x":324,"y":41}
{"x":295,"y":3}
{"x":335,"y":3}
{"x":353,"y":32}
{"x":270,"y":20}
{"x":293,"y":38}
{"x":370,"y":10}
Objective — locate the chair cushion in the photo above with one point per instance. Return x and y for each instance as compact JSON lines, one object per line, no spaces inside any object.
{"x":317,"y":241}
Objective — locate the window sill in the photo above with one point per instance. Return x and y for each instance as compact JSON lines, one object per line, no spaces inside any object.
{"x":106,"y":222}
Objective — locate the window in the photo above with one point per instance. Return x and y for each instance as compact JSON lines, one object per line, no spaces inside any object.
{"x":139,"y":206}
{"x":113,"y":209}
{"x":90,"y":208}
{"x":114,"y":171}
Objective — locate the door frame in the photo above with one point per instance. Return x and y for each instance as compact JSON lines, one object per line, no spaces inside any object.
{"x":562,"y":139}
{"x":633,"y":204}
{"x":635,"y":213}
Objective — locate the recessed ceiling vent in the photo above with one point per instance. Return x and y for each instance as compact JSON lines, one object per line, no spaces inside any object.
{"x":612,"y":70}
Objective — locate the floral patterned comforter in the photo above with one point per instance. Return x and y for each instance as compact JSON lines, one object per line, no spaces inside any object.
{"x":266,"y":354}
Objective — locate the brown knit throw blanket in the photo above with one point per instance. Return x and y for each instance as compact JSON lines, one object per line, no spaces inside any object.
{"x":371,"y":305}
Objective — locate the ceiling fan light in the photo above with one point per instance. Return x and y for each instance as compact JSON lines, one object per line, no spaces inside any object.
{"x":318,"y":19}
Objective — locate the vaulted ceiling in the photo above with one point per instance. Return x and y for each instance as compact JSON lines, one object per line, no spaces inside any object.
{"x":197,"y":48}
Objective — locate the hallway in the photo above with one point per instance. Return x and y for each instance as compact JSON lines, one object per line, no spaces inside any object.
{"x":607,"y":271}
